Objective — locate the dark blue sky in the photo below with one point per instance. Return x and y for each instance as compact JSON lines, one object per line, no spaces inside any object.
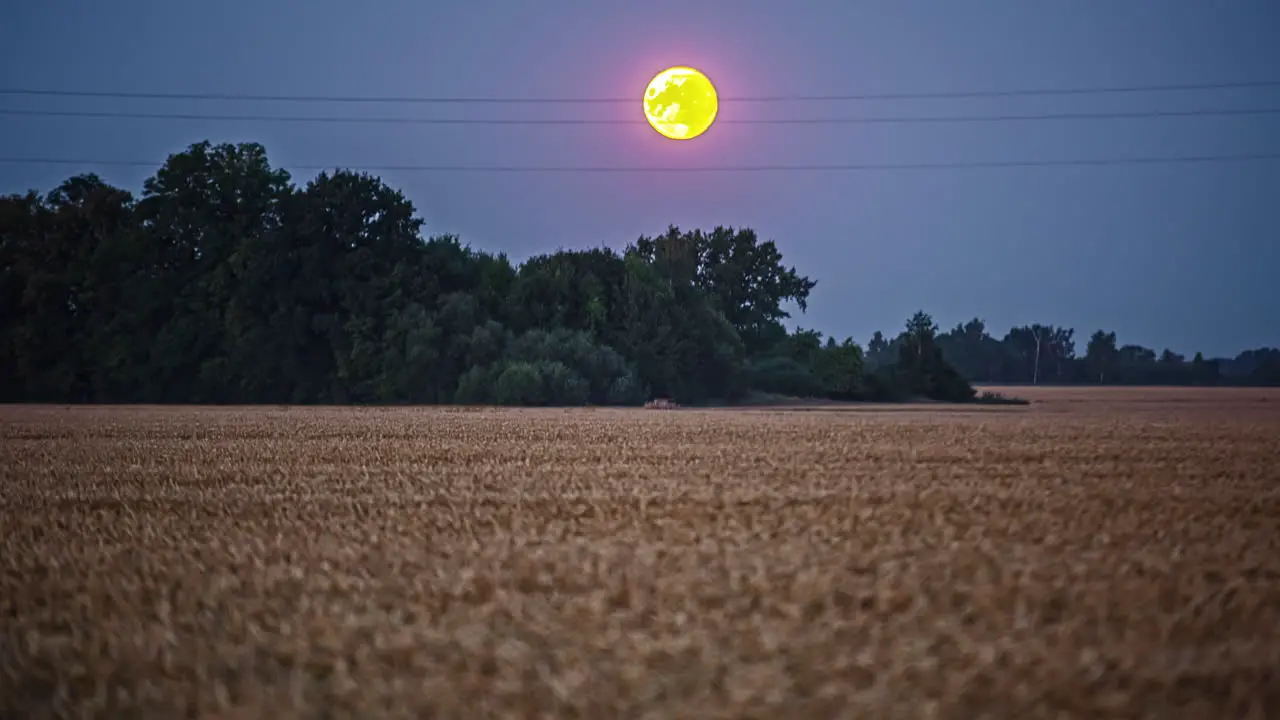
{"x":1184,"y":256}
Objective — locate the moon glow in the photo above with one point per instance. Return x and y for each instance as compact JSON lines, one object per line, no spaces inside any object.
{"x":680,"y":103}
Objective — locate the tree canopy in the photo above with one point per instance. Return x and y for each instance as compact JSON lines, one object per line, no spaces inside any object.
{"x":225,"y":282}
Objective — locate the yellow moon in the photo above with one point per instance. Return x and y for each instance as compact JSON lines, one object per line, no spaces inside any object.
{"x":681,"y":103}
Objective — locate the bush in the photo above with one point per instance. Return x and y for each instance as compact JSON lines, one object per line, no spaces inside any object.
{"x":599,"y":367}
{"x":562,"y":386}
{"x":946,"y":384}
{"x":524,"y":383}
{"x":626,"y":390}
{"x":475,"y":387}
{"x":519,"y":384}
{"x":885,"y":385}
{"x":783,"y":376}
{"x":994,"y":398}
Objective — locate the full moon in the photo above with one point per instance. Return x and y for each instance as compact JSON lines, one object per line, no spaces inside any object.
{"x":680,"y":103}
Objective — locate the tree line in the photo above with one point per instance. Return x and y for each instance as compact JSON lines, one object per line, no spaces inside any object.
{"x":1036,"y":354}
{"x":224,"y":282}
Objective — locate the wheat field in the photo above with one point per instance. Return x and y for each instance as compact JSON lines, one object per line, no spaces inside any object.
{"x":1098,"y":554}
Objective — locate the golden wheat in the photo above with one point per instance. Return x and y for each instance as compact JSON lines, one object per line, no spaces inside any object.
{"x":1097,"y":554}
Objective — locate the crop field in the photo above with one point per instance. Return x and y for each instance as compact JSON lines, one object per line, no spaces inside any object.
{"x":1097,"y":554}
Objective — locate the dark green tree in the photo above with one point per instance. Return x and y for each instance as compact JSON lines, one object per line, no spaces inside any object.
{"x":743,"y":278}
{"x":1101,"y":355}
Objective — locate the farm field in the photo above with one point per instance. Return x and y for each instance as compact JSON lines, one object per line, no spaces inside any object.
{"x":1101,"y":553}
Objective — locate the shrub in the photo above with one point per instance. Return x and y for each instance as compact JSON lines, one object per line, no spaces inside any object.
{"x":561,"y":385}
{"x":475,"y":387}
{"x":783,"y":376}
{"x":995,"y":398}
{"x":520,"y":383}
{"x":599,"y":367}
{"x":626,"y":390}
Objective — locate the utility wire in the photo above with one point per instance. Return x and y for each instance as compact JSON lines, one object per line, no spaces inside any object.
{"x":458,"y":100}
{"x":908,"y":119}
{"x":996,"y":164}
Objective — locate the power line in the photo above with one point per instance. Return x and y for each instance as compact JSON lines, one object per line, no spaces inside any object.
{"x":995,"y":164}
{"x":1144,"y":114}
{"x":457,"y":100}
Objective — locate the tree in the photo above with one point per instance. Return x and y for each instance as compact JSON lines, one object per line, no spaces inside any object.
{"x":921,"y":369}
{"x":1267,"y":371}
{"x":841,"y":370}
{"x":742,"y":277}
{"x":571,"y":289}
{"x":683,"y":347}
{"x":1252,"y":367}
{"x":66,"y":280}
{"x":1205,"y":372}
{"x":975,"y":354}
{"x":1135,"y":363}
{"x":210,"y":215}
{"x":879,"y":351}
{"x":1101,"y":354}
{"x":1062,"y":347}
{"x":917,"y":339}
{"x":1022,"y":353}
{"x":1039,"y":350}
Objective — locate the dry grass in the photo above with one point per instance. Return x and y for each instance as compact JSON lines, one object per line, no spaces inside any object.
{"x":1098,"y":554}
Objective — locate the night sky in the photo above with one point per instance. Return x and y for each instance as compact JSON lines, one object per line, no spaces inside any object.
{"x":1181,"y":256}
